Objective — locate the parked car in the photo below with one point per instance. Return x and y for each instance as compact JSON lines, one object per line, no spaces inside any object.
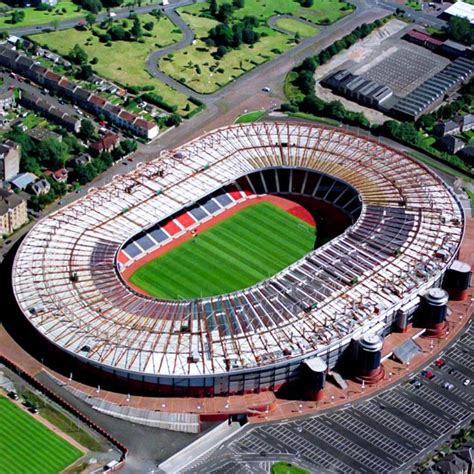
{"x":440,"y":363}
{"x":13,"y":395}
{"x":428,"y":374}
{"x":448,"y":386}
{"x":466,"y":382}
{"x":266,"y":89}
{"x":33,"y":410}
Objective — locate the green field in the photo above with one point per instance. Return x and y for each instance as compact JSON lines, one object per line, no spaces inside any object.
{"x":123,"y":61}
{"x":297,"y":27}
{"x":27,"y":446}
{"x":249,"y":246}
{"x":64,"y":10}
{"x":287,"y":468}
{"x":250,"y":117}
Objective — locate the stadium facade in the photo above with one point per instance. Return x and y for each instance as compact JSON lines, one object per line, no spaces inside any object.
{"x":402,"y":232}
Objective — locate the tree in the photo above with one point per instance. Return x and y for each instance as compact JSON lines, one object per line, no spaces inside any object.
{"x":117,"y":33}
{"x":426,"y":121}
{"x":225,"y":13}
{"x":460,"y":29}
{"x":136,"y":30}
{"x":238,"y":3}
{"x":55,"y":24}
{"x":90,"y":19}
{"x":94,"y":6}
{"x":128,"y":146}
{"x":52,"y":153}
{"x":17,"y":16}
{"x":87,"y":131}
{"x":77,"y":55}
{"x":213,"y":8}
{"x":85,"y":72}
{"x":148,"y":26}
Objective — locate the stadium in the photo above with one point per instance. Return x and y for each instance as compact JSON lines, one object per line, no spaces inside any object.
{"x":390,"y":229}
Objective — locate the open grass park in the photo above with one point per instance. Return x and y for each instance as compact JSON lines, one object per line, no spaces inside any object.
{"x":123,"y":62}
{"x":27,"y":446}
{"x":195,"y":65}
{"x":247,"y":247}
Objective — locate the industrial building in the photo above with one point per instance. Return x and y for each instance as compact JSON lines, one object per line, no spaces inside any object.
{"x":403,"y":231}
{"x":431,"y":93}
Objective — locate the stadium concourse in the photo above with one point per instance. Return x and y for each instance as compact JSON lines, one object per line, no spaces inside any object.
{"x":405,"y":230}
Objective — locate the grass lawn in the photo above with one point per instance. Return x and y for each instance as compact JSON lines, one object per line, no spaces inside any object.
{"x":250,"y":117}
{"x":194,"y":64}
{"x":297,"y":27}
{"x":314,"y":118}
{"x":287,"y":468}
{"x":249,"y":246}
{"x":414,"y":5}
{"x":471,"y":198}
{"x":28,"y":446}
{"x":36,"y":17}
{"x":124,"y":61}
{"x":61,"y":420}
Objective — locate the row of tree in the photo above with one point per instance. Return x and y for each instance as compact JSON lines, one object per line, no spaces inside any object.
{"x":224,"y":12}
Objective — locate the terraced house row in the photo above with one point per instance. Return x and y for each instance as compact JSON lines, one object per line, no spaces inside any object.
{"x":22,"y":64}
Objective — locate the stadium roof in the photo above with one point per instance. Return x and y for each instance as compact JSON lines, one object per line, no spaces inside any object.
{"x":408,"y":231}
{"x":462,"y":10}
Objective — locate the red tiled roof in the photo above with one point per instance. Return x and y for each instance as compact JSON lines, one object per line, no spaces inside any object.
{"x":96,"y":100}
{"x":424,"y":37}
{"x":142,"y":123}
{"x":52,"y":76}
{"x":127,"y":116}
{"x":107,"y":141}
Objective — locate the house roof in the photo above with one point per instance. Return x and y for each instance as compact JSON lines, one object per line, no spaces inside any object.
{"x":25,"y":61}
{"x":96,"y":100}
{"x":52,"y":76}
{"x":129,"y":117}
{"x":58,"y":174}
{"x":424,"y":37}
{"x":107,"y":141}
{"x":146,"y":124}
{"x":113,"y":109}
{"x":8,"y":200}
{"x":82,"y":93}
{"x":41,"y":70}
{"x":22,"y":180}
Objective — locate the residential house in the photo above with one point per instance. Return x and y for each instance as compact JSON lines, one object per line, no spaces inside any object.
{"x":13,"y":212}
{"x":41,"y":133}
{"x":466,"y":122}
{"x":9,"y":160}
{"x":146,"y":129}
{"x":451,"y":144}
{"x":7,"y":98}
{"x":82,"y":159}
{"x":51,"y":79}
{"x":442,"y":129}
{"x":60,"y":175}
{"x":81,"y":97}
{"x":106,"y":143}
{"x":467,"y":154}
{"x":39,"y":187}
{"x":97,"y":104}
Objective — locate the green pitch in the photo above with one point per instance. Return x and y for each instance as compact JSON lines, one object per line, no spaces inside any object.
{"x":249,"y":246}
{"x":27,"y":446}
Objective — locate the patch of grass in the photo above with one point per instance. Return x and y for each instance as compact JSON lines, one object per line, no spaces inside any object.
{"x":287,"y":468}
{"x":297,"y":27}
{"x":62,"y":421}
{"x":292,"y":92}
{"x":124,"y":61}
{"x":249,"y":246}
{"x":36,"y":17}
{"x":414,"y":5}
{"x":439,"y":166}
{"x":471,"y":198}
{"x":250,"y":117}
{"x":28,"y":446}
{"x":315,"y":118}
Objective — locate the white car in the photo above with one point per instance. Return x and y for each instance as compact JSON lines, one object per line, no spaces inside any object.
{"x":266,"y":89}
{"x":466,"y":382}
{"x":448,"y":386}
